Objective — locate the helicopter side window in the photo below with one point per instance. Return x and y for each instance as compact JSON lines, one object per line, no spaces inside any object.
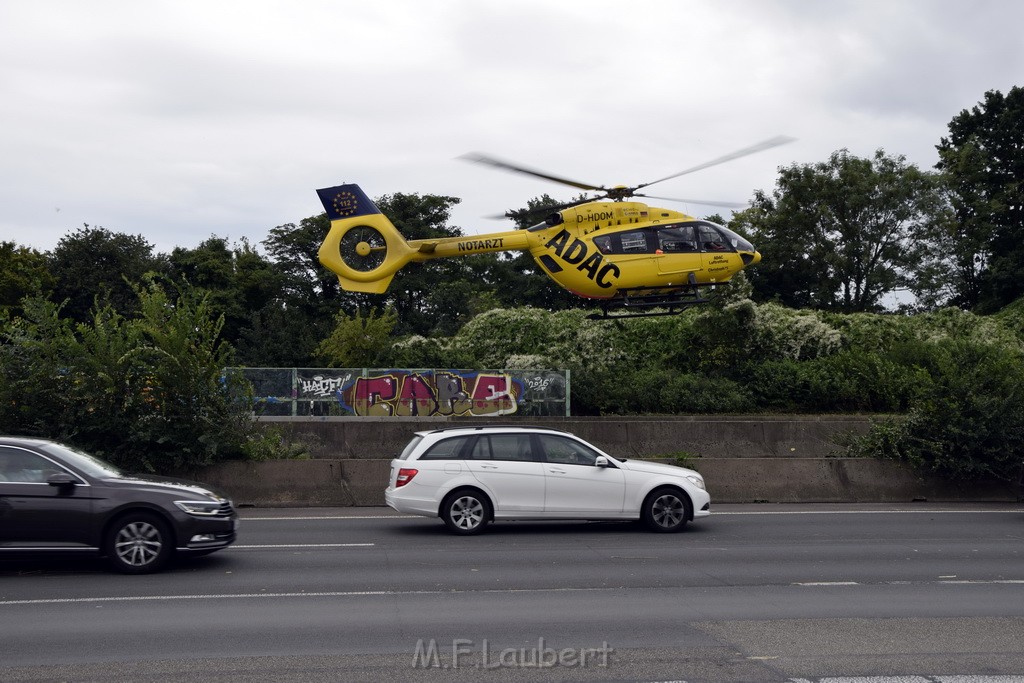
{"x":634,"y":243}
{"x":604,"y":244}
{"x":711,"y":239}
{"x":678,"y":239}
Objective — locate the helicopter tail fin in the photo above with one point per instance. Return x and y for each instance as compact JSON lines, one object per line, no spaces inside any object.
{"x":363,"y":248}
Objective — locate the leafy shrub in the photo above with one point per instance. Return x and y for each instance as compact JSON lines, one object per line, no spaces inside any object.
{"x":852,"y":381}
{"x":968,"y":422}
{"x":147,"y":393}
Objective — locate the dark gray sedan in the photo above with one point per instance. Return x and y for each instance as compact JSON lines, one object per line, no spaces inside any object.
{"x":56,"y":498}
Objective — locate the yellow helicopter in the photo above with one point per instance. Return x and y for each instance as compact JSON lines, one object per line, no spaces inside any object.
{"x":627,"y":255}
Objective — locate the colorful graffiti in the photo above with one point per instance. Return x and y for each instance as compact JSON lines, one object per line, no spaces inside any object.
{"x":404,"y":393}
{"x":408,"y":393}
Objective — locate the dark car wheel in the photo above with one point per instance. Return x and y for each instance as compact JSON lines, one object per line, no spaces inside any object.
{"x":665,"y":510}
{"x":138,"y":543}
{"x":466,"y":512}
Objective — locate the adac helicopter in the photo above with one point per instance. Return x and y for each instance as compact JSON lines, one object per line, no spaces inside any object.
{"x":634,"y":259}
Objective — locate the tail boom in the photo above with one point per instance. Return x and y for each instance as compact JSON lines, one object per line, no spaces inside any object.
{"x":365,"y":250}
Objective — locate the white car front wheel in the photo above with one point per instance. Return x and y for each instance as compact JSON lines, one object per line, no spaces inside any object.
{"x":666,"y":510}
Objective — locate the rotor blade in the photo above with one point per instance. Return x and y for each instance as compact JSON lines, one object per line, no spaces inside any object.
{"x":753,"y":149}
{"x":554,"y":208}
{"x":508,"y":166}
{"x":707,"y":202}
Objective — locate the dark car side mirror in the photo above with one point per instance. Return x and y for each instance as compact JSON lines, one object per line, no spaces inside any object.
{"x":61,"y":480}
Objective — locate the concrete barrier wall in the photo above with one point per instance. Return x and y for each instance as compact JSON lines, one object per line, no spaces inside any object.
{"x":743,"y":459}
{"x":632,"y":437}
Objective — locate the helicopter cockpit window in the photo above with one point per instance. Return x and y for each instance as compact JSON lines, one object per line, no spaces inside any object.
{"x":677,"y":239}
{"x":737,"y":242}
{"x":711,"y":239}
{"x":634,"y":242}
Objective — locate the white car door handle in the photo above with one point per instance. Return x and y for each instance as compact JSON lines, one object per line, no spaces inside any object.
{"x":488,"y":467}
{"x":556,"y":470}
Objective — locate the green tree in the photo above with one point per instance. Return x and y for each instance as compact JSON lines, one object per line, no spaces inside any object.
{"x":983,"y":162}
{"x":23,"y":272}
{"x":239,"y":280}
{"x":285,"y":332}
{"x":435,"y":296}
{"x":307,"y":285}
{"x":96,"y":263}
{"x":148,"y":392}
{"x":358,"y":341}
{"x":843,"y":234}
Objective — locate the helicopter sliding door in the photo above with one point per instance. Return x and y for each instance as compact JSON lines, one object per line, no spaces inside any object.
{"x":679,"y":251}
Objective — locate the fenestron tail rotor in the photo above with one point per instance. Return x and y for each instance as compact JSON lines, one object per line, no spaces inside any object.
{"x":363,"y":248}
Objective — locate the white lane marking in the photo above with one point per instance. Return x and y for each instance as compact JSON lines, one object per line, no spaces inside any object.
{"x":826,"y":583}
{"x":383,"y":593}
{"x":303,"y":519}
{"x":301,"y":545}
{"x":959,"y":678}
{"x":976,"y":582}
{"x":993,"y":581}
{"x":868,"y":512}
{"x":251,"y":596}
{"x":718,"y":513}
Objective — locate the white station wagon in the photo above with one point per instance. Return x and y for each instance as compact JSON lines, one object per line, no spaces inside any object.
{"x":470,"y":476}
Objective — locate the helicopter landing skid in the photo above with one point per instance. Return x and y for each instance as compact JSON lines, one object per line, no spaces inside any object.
{"x":649,"y":304}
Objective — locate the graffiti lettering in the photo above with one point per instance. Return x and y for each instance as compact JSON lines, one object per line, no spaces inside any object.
{"x":438,"y":392}
{"x":323,"y":386}
{"x":441,"y":393}
{"x":493,"y":395}
{"x":538,"y":383}
{"x":374,"y":396}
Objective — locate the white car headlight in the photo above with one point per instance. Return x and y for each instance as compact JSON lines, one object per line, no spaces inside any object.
{"x":697,"y":481}
{"x":199,"y":508}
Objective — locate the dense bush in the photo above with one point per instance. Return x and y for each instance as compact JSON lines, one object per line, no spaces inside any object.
{"x":147,"y":393}
{"x":968,"y":422}
{"x":851,"y":381}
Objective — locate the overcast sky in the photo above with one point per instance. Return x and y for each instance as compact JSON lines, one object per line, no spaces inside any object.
{"x":184,"y":119}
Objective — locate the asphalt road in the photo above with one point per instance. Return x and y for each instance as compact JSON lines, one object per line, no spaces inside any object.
{"x":754,"y":593}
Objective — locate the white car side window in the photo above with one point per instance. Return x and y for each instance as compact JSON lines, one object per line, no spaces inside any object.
{"x":559,"y":449}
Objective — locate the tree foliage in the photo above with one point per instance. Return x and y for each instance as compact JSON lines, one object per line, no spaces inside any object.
{"x":358,"y":341}
{"x":983,"y":162}
{"x":23,"y":273}
{"x":237,"y":279}
{"x":843,"y":234}
{"x":94,"y":263}
{"x":148,"y":393}
{"x":968,"y":422}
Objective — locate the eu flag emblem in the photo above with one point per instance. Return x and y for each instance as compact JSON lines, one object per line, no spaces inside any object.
{"x":346,"y":201}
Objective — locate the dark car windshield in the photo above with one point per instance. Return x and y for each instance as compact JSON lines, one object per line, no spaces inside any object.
{"x":88,"y":464}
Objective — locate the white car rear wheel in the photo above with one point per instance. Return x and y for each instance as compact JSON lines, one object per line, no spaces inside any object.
{"x":466,"y":512}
